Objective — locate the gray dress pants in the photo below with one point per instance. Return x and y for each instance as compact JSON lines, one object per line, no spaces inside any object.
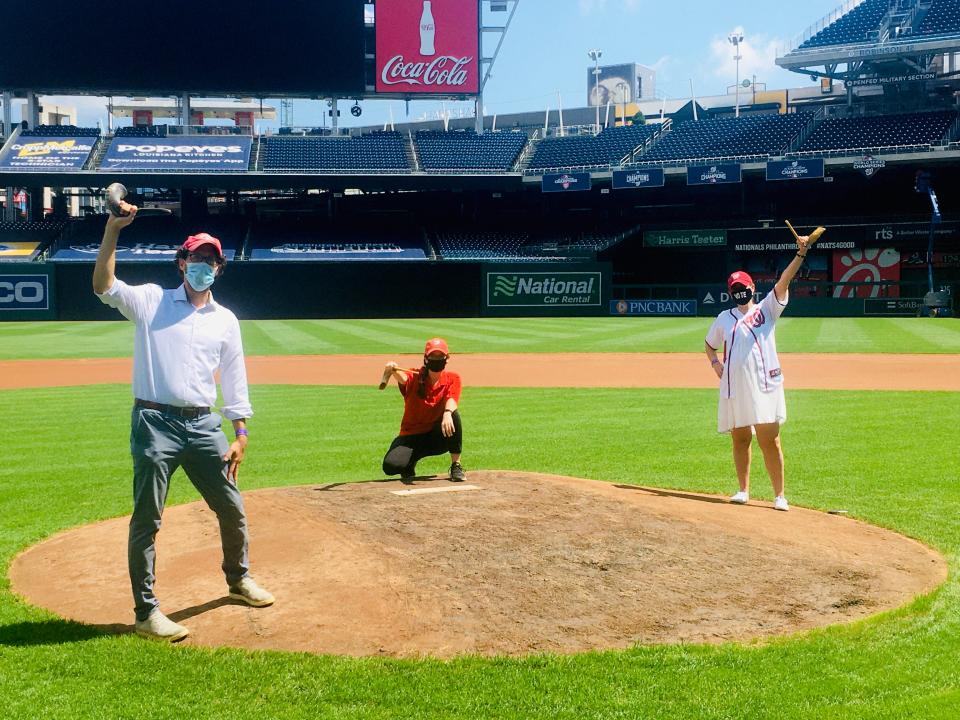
{"x":160,"y":443}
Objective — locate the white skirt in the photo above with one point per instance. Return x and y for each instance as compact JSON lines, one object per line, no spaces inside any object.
{"x":751,"y":407}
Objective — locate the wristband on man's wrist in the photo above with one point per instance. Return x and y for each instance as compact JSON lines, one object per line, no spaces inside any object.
{"x":242,"y":432}
{"x":801,"y":256}
{"x":448,"y":410}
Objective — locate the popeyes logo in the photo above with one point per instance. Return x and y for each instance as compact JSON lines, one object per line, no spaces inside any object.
{"x":428,"y":46}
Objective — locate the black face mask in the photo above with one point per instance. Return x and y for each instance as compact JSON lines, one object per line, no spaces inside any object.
{"x":435,"y":364}
{"x":741,"y":295}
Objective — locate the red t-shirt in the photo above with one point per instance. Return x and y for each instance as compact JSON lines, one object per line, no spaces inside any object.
{"x":420,"y":414}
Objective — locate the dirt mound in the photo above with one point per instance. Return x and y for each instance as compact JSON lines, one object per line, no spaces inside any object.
{"x":520,"y":563}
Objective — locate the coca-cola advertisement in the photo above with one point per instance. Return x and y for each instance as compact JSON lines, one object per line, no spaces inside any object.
{"x":428,"y":46}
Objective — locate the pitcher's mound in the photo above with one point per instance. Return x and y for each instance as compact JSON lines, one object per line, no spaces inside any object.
{"x":521,"y":563}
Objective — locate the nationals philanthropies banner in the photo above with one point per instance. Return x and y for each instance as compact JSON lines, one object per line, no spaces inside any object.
{"x":428,"y":47}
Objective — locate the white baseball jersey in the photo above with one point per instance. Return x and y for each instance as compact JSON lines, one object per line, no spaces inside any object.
{"x":749,"y":346}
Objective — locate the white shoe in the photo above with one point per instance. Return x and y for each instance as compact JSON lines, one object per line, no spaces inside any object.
{"x":780,"y":503}
{"x":159,"y":627}
{"x":250,"y":593}
{"x":741,"y":498}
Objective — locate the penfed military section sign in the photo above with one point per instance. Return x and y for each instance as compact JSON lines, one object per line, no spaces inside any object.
{"x":543,"y":290}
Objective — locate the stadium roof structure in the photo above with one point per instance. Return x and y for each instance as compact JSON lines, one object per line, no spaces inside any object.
{"x":880,"y":42}
{"x":170,"y":108}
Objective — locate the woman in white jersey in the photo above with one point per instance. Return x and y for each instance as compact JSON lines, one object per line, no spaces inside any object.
{"x":751,"y":383}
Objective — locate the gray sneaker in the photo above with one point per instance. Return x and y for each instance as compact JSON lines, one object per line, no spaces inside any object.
{"x":159,"y":627}
{"x":250,"y":593}
{"x":456,"y":473}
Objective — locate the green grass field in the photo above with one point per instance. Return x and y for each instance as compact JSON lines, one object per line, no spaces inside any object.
{"x":890,"y":458}
{"x":359,"y":337}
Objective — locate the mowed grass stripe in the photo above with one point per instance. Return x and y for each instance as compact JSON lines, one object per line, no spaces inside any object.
{"x":475,"y":335}
{"x":886,"y":456}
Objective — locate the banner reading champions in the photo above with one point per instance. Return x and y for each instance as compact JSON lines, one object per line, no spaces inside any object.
{"x":566,"y":182}
{"x":806,"y":169}
{"x":633,"y":179}
{"x":425,"y":47}
{"x":714,"y":174}
{"x":544,"y":289}
{"x":60,"y":154}
{"x":184,"y":153}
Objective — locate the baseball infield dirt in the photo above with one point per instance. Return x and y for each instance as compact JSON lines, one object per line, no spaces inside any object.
{"x":637,"y":370}
{"x":522,"y":563}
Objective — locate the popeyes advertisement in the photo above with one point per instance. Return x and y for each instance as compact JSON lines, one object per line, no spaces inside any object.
{"x":873,"y":265}
{"x":428,"y":46}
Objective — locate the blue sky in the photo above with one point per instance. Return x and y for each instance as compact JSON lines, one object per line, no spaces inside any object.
{"x":545,"y":52}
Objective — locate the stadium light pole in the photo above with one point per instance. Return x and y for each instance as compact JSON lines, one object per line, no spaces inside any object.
{"x":595,"y":56}
{"x":736,"y":38}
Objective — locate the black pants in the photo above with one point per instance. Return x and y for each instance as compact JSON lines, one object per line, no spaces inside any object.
{"x":405,"y":451}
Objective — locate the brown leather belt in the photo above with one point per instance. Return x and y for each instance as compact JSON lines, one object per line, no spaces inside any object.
{"x":191,"y":413}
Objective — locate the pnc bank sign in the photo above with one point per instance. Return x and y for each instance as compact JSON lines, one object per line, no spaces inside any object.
{"x":24,"y":292}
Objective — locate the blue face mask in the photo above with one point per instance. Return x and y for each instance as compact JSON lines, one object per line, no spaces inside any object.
{"x":200,"y":276}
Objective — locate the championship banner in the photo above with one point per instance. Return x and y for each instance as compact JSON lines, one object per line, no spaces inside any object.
{"x":428,"y":47}
{"x":633,"y":179}
{"x":199,"y":152}
{"x":806,"y":169}
{"x":676,"y":308}
{"x":873,"y":265}
{"x":869,"y":165}
{"x":714,"y":174}
{"x":566,"y":182}
{"x":59,"y":154}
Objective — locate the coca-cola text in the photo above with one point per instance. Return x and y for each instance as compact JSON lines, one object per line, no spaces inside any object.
{"x":444,"y":70}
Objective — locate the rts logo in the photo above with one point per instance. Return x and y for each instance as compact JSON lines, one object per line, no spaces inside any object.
{"x":884,"y":233}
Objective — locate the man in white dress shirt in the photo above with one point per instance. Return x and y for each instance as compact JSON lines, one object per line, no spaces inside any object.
{"x":182,"y":338}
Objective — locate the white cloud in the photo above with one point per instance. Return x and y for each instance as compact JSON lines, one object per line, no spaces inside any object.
{"x":758,"y":57}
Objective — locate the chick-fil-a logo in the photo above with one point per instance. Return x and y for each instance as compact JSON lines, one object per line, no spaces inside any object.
{"x":428,"y":47}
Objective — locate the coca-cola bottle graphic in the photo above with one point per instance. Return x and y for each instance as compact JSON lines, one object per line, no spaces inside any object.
{"x":427,"y":30}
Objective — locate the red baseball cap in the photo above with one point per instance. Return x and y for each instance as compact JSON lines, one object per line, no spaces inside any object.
{"x":435,"y":344}
{"x":740,"y":278}
{"x":199,"y":240}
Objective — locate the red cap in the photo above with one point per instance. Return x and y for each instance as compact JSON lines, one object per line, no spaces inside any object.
{"x":740,"y":278}
{"x":435,"y":344}
{"x":199,"y":240}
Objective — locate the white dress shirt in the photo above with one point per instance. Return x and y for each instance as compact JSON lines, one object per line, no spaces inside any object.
{"x":178,"y":348}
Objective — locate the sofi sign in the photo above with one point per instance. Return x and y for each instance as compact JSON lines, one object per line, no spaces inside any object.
{"x":428,"y":46}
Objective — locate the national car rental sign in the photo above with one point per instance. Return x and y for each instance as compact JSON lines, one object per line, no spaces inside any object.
{"x":428,"y":46}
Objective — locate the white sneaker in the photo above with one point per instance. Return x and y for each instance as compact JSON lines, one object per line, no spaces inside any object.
{"x":251,"y":593}
{"x":741,"y":498}
{"x":159,"y":627}
{"x":780,"y":503}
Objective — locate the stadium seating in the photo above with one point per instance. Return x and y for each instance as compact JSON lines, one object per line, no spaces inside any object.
{"x":374,"y":151}
{"x":727,"y":137}
{"x":465,"y":149}
{"x":23,"y":240}
{"x":942,"y":18}
{"x":61,"y":131}
{"x":481,"y":245}
{"x":306,"y":237}
{"x":142,"y":131}
{"x":853,"y":27}
{"x":607,"y":148}
{"x":904,"y":130}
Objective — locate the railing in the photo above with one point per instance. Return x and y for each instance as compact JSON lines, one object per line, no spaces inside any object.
{"x":872,"y":150}
{"x":712,"y":160}
{"x":412,"y":148}
{"x":208,"y":130}
{"x":807,"y":131}
{"x":819,"y":25}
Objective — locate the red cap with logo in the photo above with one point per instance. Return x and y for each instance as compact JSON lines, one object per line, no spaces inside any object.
{"x":199,"y":240}
{"x":435,"y":344}
{"x":740,"y":278}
